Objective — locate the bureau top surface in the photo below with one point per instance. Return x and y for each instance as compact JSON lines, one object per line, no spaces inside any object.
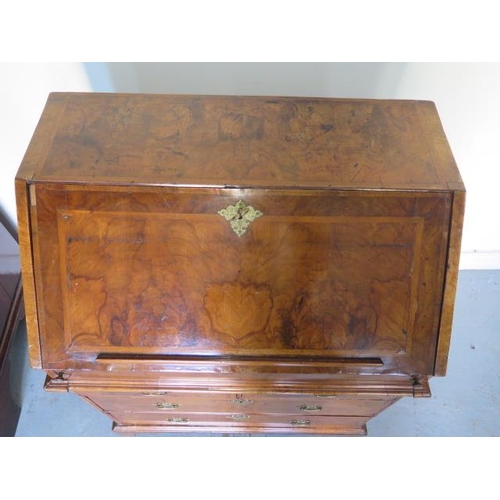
{"x":236,"y":141}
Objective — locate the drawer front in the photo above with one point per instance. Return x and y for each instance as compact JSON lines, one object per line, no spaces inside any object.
{"x":236,"y":420}
{"x":239,"y":403}
{"x":218,"y":272}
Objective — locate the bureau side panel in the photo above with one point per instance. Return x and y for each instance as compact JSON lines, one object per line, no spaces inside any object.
{"x":25,"y":198}
{"x":28,"y":278}
{"x":452,"y":268}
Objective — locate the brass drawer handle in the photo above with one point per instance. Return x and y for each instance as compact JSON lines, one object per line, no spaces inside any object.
{"x":177,"y":420}
{"x":300,"y":422}
{"x":310,"y":407}
{"x":237,"y":416}
{"x":155,"y":393}
{"x":239,"y":216}
{"x":167,"y":406}
{"x":241,"y":402}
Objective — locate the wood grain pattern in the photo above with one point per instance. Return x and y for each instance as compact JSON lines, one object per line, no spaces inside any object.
{"x":248,"y":403}
{"x":252,"y":141}
{"x":452,"y":266}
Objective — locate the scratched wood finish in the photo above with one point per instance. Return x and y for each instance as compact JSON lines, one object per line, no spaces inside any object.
{"x":250,"y":141}
{"x":343,"y":285}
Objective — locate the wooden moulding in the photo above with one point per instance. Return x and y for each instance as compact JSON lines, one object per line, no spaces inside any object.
{"x":376,"y":385}
{"x":330,"y":430}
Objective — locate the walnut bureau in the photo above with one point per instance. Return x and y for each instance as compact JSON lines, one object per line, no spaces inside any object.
{"x":239,"y":264}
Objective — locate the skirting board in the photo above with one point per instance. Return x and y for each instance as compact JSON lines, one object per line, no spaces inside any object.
{"x":480,"y":259}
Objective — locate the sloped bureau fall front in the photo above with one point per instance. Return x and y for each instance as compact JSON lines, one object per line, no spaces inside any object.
{"x":239,"y":264}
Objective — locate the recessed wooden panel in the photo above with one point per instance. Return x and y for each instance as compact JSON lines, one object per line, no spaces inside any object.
{"x":321,"y":284}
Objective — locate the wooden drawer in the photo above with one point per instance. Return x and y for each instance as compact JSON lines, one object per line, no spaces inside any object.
{"x":240,"y":403}
{"x":237,"y":422}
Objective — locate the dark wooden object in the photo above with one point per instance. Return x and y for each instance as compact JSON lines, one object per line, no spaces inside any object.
{"x":11,"y":311}
{"x":239,"y":263}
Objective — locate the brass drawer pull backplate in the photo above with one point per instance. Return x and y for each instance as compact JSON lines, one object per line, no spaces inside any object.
{"x":167,"y":406}
{"x":300,"y":422}
{"x":310,"y":407}
{"x":241,"y":402}
{"x":177,"y":420}
{"x":237,"y":416}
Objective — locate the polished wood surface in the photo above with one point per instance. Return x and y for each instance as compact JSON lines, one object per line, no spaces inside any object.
{"x":143,"y":274}
{"x":129,"y":379}
{"x":279,"y":413}
{"x":244,"y":141}
{"x":28,"y":281}
{"x":239,"y":422}
{"x":451,"y":279}
{"x":248,"y":403}
{"x":343,"y":277}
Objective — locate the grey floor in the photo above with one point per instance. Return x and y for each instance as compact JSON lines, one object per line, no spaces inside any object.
{"x":464,"y":403}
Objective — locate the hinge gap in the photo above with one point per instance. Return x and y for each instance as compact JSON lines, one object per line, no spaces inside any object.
{"x":32,"y":193}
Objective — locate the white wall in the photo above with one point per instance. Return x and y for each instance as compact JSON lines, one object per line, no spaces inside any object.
{"x":296,"y":79}
{"x":24,"y":88}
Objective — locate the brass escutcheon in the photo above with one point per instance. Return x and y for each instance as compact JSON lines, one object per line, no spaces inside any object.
{"x":239,"y":216}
